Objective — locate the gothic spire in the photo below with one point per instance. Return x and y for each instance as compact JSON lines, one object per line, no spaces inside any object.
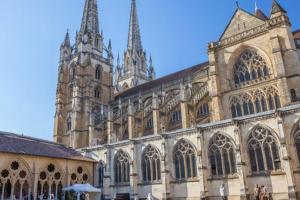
{"x":134,"y":36}
{"x":276,"y":7}
{"x":67,"y":42}
{"x":90,"y":20}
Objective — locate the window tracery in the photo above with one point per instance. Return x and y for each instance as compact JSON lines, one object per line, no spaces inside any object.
{"x":151,"y":165}
{"x":50,"y":182}
{"x":255,"y":102}
{"x":184,"y":160}
{"x":222,"y":156}
{"x":122,"y":167}
{"x":263,"y":151}
{"x":80,"y":176}
{"x":250,"y":66}
{"x":14,"y":180}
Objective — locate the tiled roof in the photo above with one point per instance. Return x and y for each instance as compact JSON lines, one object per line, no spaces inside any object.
{"x":19,"y":144}
{"x":165,"y":79}
{"x":259,"y":14}
{"x":296,"y":34}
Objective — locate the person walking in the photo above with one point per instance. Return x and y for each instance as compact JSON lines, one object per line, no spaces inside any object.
{"x":222,"y":192}
{"x":256,"y":192}
{"x":263,"y":193}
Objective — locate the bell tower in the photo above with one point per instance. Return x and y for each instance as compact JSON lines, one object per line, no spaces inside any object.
{"x":135,"y":70}
{"x":84,"y":87}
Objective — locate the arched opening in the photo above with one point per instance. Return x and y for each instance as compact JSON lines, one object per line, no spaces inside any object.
{"x":151,"y":165}
{"x":122,"y":167}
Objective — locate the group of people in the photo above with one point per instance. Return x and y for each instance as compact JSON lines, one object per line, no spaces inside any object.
{"x":260,"y":193}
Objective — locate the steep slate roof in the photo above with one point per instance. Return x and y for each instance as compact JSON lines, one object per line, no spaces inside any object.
{"x":18,"y":144}
{"x":296,"y":34}
{"x":261,"y":15}
{"x":165,"y":79}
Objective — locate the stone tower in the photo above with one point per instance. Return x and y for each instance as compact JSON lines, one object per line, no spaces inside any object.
{"x":84,"y":86}
{"x":135,"y":70}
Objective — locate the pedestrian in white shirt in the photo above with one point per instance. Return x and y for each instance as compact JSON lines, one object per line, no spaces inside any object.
{"x":222,"y":192}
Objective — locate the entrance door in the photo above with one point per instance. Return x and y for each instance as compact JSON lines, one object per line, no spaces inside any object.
{"x":123,"y":196}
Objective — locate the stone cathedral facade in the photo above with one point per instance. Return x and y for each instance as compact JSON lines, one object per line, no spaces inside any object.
{"x":233,"y":120}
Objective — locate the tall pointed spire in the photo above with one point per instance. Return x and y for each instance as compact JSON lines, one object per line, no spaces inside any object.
{"x":90,"y":20}
{"x":134,"y":36}
{"x":276,"y":8}
{"x":67,"y":40}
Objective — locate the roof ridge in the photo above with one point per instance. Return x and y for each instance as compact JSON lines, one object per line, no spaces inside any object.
{"x":21,"y":136}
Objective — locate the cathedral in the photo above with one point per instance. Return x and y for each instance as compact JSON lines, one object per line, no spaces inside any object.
{"x":233,"y":120}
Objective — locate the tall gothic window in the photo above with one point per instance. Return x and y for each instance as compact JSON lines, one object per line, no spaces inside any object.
{"x":203,"y":110}
{"x":222,"y":156}
{"x":176,"y":116}
{"x":250,"y":66}
{"x":69,"y":123}
{"x":297,"y":140}
{"x":122,"y":167}
{"x":98,"y":73}
{"x":263,"y":151}
{"x":184,"y":160}
{"x":97,"y":93}
{"x":151,"y":165}
{"x":101,"y":173}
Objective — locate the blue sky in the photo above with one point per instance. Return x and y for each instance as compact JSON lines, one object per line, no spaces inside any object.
{"x":176,"y":32}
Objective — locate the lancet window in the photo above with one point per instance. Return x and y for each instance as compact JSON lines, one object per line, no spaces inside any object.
{"x":122,"y":167}
{"x":263,"y":151}
{"x":222,"y":156}
{"x":184,"y":160}
{"x":151,"y":165}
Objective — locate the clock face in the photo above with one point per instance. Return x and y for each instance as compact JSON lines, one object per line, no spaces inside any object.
{"x":85,"y":38}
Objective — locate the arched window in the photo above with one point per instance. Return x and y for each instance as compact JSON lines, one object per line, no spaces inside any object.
{"x":222,"y":156}
{"x":69,"y":123}
{"x":263,"y":151}
{"x":184,"y":160}
{"x":249,"y":66}
{"x":203,"y":110}
{"x":101,"y":173}
{"x":98,"y":72}
{"x":293,"y":95}
{"x":151,"y":165}
{"x":149,"y":123}
{"x":176,"y":116}
{"x":236,"y":109}
{"x":122,"y":167}
{"x":297,"y":140}
{"x":273,"y":98}
{"x":97,"y":93}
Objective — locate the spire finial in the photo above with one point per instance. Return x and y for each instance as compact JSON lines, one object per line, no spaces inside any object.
{"x":255,"y":5}
{"x":237,"y":3}
{"x":67,"y":39}
{"x":118,"y":59}
{"x":134,"y":36}
{"x":90,"y":20}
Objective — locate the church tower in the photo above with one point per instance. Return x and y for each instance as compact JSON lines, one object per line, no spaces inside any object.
{"x":84,"y":87}
{"x":135,"y":70}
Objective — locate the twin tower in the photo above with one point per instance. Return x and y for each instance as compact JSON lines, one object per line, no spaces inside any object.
{"x":88,"y":80}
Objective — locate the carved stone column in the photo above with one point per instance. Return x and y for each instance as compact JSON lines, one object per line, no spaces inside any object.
{"x":201,"y":167}
{"x":130,"y":120}
{"x":110,"y":127}
{"x":286,"y":161}
{"x":107,"y":182}
{"x":240,"y":163}
{"x":165,"y":172}
{"x":184,"y":108}
{"x":155,"y":114}
{"x":133,"y":173}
